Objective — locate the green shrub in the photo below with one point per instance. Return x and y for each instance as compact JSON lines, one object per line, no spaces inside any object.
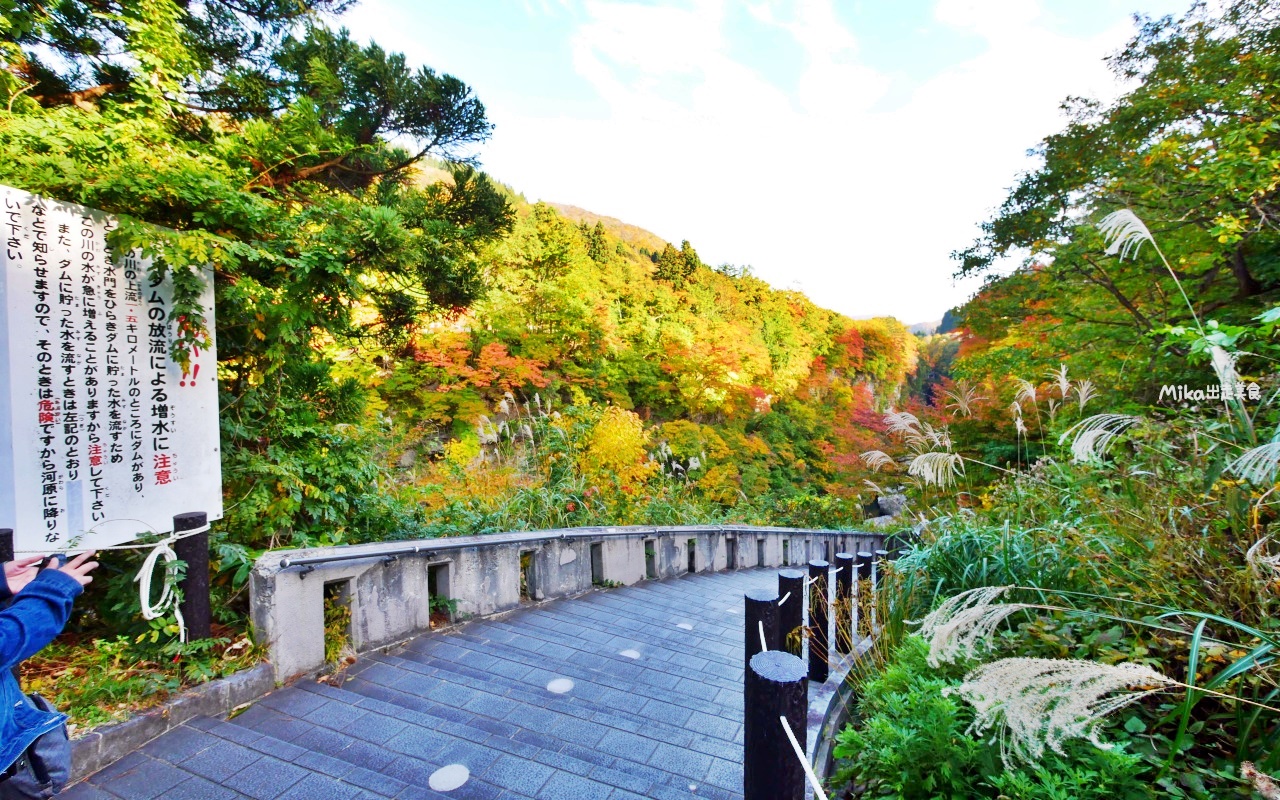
{"x":910,"y":740}
{"x":1102,"y":774}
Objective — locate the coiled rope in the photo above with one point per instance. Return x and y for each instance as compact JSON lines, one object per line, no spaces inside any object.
{"x":169,"y":594}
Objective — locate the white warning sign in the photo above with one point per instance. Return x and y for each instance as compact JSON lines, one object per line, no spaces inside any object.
{"x":103,"y":436}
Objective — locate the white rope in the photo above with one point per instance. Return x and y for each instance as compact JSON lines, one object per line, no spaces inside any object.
{"x":784,"y":598}
{"x":173,"y":537}
{"x":763,"y":644}
{"x":168,"y":599}
{"x":804,"y":762}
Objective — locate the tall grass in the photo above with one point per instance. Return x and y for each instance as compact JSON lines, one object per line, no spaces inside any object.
{"x":1140,"y":548}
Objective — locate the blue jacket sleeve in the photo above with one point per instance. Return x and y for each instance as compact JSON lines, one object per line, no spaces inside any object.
{"x":36,"y":615}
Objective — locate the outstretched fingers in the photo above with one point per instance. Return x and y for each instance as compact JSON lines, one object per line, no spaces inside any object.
{"x":80,"y":567}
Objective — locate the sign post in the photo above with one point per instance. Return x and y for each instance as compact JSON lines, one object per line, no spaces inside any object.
{"x":194,"y":550}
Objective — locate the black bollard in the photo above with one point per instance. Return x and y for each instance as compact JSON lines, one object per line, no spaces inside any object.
{"x":6,"y":555}
{"x":790,"y":610}
{"x":194,"y":550}
{"x":844,"y":603}
{"x":761,"y":614}
{"x":865,"y":560}
{"x":882,"y":561}
{"x":819,"y":615}
{"x":775,"y":688}
{"x":882,"y":558}
{"x":864,"y":593}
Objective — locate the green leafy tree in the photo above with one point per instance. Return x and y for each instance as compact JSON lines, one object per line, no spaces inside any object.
{"x":285,"y":156}
{"x":670,"y":265}
{"x":1193,"y":149}
{"x":1195,"y":143}
{"x":689,"y":258}
{"x":599,"y":248}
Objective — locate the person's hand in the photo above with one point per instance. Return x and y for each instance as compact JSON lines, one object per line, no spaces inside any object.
{"x":80,"y":567}
{"x":19,"y":573}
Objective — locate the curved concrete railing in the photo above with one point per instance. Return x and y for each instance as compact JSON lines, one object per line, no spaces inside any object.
{"x":389,"y":585}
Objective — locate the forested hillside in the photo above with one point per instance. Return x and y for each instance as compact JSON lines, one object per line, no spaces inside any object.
{"x":727,"y":396}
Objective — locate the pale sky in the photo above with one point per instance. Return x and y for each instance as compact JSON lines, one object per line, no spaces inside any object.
{"x":841,"y":147}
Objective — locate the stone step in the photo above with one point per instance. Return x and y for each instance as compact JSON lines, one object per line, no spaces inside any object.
{"x":527,"y":660}
{"x":664,"y":726}
{"x":326,"y":733}
{"x":213,"y":760}
{"x":530,"y":757}
{"x":604,"y":737}
{"x":682,"y":653}
{"x":674,"y":601}
{"x":668,"y":718}
{"x":502,"y":705}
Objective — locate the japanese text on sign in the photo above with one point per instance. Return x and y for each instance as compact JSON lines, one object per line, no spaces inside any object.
{"x":102,"y":435}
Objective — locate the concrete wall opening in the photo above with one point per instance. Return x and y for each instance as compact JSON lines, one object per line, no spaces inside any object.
{"x":731,"y":552}
{"x":528,"y":577}
{"x":759,"y":551}
{"x":337,"y":621}
{"x":651,"y":559}
{"x":786,"y":552}
{"x":691,"y":548}
{"x":440,"y":602}
{"x":597,"y":563}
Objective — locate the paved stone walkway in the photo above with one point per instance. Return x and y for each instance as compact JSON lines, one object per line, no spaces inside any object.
{"x":651,"y":707}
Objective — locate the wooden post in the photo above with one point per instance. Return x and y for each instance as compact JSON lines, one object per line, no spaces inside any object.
{"x":194,"y":550}
{"x":864,"y":591}
{"x":790,"y":610}
{"x":819,"y":615}
{"x":761,"y":614}
{"x":882,"y":558}
{"x":775,"y":688}
{"x":844,"y":603}
{"x":6,"y":555}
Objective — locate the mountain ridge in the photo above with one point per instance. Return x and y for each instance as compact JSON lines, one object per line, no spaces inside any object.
{"x":633,"y":235}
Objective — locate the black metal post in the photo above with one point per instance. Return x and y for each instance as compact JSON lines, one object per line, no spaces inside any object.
{"x":761,"y":615}
{"x":775,"y":688}
{"x":194,"y":550}
{"x":790,"y":610}
{"x":864,"y":592}
{"x":882,"y":558}
{"x":6,"y":555}
{"x":844,"y":603}
{"x":819,"y":615}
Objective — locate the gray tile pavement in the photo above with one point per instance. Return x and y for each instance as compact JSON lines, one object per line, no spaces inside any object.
{"x":665,"y":725}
